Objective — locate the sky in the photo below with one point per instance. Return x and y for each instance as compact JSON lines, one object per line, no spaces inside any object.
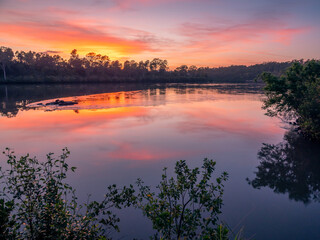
{"x":200,"y":32}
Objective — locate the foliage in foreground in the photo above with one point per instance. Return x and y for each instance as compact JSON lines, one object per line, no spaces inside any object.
{"x":35,"y":202}
{"x":295,"y":96}
{"x":185,"y":207}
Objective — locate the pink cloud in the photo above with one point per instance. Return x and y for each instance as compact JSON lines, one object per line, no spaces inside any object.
{"x":61,"y":11}
{"x":285,"y":36}
{"x":133,"y":4}
{"x":219,"y":38}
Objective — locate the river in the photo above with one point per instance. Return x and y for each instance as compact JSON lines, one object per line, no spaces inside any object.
{"x":117,"y":134}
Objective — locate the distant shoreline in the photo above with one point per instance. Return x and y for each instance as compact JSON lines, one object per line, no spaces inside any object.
{"x":101,"y":80}
{"x":36,"y":68}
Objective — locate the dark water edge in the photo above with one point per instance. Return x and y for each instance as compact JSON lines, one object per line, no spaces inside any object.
{"x":15,"y":97}
{"x":24,"y":80}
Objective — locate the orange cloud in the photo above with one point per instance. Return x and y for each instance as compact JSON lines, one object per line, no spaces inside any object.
{"x":224,"y":33}
{"x":133,"y":4}
{"x":63,"y":35}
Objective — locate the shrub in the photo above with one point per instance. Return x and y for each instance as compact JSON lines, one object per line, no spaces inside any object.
{"x":185,"y":207}
{"x":36,"y":204}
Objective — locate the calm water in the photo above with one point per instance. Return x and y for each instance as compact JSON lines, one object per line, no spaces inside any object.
{"x":117,"y":134}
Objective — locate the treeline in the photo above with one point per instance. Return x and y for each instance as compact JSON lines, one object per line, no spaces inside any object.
{"x":242,"y":73}
{"x":42,"y":67}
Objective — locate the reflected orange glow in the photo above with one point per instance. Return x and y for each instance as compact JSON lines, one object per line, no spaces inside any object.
{"x":139,"y":125}
{"x":67,"y":120}
{"x":103,"y":101}
{"x":132,"y":151}
{"x":109,"y":99}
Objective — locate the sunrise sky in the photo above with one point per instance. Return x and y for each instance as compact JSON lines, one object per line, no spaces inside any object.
{"x":201,"y":32}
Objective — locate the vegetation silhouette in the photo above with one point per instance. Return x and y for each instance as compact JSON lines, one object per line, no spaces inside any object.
{"x":295,"y":96}
{"x":186,"y":206}
{"x":291,"y":166}
{"x":42,"y":67}
{"x":37,"y":203}
{"x":6,"y":56}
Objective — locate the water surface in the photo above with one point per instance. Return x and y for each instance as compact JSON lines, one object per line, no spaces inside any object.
{"x":117,"y":134}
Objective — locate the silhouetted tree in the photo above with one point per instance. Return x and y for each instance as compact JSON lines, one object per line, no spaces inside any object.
{"x":182,"y":70}
{"x":143,"y":67}
{"x":163,"y":66}
{"x":27,"y":58}
{"x":193,"y":70}
{"x":6,"y":55}
{"x":75,"y":62}
{"x":115,"y":67}
{"x":97,"y":60}
{"x":158,"y":64}
{"x":295,"y":96}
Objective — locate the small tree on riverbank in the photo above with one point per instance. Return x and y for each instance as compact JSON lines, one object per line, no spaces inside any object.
{"x":295,"y":96}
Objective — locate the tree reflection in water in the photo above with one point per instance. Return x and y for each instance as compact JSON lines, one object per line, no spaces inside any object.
{"x":291,"y":166}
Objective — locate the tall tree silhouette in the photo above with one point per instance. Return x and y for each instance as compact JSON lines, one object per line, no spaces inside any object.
{"x":6,"y":55}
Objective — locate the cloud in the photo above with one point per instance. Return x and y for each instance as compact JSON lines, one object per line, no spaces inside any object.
{"x":61,"y":11}
{"x":286,"y":35}
{"x":52,"y":52}
{"x":207,"y":32}
{"x":65,"y":29}
{"x":65,"y":35}
{"x":133,"y":4}
{"x":257,"y":31}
